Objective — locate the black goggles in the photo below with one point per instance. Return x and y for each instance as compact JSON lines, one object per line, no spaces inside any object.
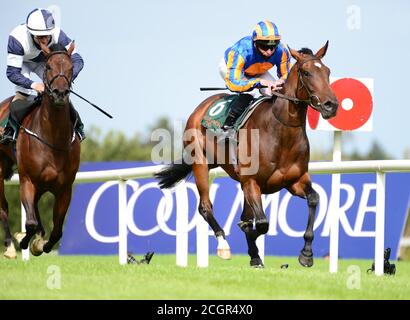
{"x":265,"y":46}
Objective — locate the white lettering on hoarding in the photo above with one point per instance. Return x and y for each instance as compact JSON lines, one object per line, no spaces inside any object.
{"x":276,"y":209}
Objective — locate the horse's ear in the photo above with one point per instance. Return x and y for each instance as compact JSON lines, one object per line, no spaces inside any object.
{"x":45,"y":49}
{"x":71,"y":48}
{"x":322,"y":51}
{"x":295,"y":54}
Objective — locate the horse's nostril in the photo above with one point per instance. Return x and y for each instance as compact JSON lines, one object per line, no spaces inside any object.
{"x":330,"y":105}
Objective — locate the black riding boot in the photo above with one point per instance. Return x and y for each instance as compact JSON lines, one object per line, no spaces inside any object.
{"x":8,"y":133}
{"x":78,"y":124}
{"x":237,"y":108}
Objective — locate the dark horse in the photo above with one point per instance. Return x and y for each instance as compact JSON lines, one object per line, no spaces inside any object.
{"x":282,"y":153}
{"x":47,"y":154}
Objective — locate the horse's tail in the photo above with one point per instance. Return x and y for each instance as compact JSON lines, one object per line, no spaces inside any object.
{"x":173,"y":173}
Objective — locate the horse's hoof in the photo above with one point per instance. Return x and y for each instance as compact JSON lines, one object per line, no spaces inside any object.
{"x":262,"y":226}
{"x":36,"y":247}
{"x":257,"y":263}
{"x":10,"y":252}
{"x":47,"y":247}
{"x":305,"y":261}
{"x":224,"y":254}
{"x":19,"y":236}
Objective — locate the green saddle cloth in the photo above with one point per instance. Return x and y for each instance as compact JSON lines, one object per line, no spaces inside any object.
{"x":216,"y":115}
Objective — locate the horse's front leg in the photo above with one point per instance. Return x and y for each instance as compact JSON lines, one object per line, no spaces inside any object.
{"x":253,"y":199}
{"x":28,"y":198}
{"x":304,"y":190}
{"x":201,"y":173}
{"x":246,"y":225}
{"x":61,"y":204}
{"x":253,"y":210}
{"x":36,"y":246}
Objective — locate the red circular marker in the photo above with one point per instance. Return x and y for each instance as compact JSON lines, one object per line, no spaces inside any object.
{"x":313,"y":118}
{"x":358,"y":99}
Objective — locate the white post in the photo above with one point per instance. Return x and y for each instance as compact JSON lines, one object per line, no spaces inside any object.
{"x":181,"y":196}
{"x":380,"y":213}
{"x":122,"y":221}
{"x":202,"y":236}
{"x":25,"y":254}
{"x":260,"y":243}
{"x":334,"y":205}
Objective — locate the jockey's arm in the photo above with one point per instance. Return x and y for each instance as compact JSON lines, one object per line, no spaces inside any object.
{"x":15,"y":56}
{"x":284,"y":65}
{"x":78,"y":62}
{"x":235,"y":76}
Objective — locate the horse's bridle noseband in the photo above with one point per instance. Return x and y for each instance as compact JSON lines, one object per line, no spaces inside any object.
{"x":60,"y":74}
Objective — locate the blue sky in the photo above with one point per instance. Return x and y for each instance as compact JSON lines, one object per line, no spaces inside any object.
{"x":148,"y":59}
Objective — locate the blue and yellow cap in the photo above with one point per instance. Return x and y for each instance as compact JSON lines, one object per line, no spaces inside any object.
{"x":267,"y":31}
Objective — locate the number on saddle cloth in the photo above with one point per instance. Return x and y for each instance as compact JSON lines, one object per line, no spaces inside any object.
{"x":219,"y":111}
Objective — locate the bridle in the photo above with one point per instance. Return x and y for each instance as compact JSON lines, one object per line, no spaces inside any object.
{"x":61,"y":74}
{"x":48,"y":88}
{"x":313,"y":100}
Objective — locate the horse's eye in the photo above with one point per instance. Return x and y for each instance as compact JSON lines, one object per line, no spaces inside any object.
{"x":306,"y":73}
{"x":48,"y":67}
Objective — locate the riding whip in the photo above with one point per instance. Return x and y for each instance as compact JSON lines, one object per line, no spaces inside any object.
{"x":97,"y":107}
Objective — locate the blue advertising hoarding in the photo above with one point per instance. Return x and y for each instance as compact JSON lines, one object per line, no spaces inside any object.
{"x":92,"y":222}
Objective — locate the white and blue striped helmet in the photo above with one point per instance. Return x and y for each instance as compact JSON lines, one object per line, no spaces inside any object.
{"x":40,"y":22}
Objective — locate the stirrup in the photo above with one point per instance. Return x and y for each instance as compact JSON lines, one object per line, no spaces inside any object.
{"x":81,"y":135}
{"x":7,"y":136}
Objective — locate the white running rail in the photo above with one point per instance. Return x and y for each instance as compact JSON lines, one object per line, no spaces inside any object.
{"x":379,"y":167}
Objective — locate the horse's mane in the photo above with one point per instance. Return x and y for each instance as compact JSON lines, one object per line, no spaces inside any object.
{"x":306,"y":51}
{"x":57,"y":47}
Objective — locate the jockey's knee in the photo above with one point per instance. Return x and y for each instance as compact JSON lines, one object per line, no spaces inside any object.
{"x":20,"y":96}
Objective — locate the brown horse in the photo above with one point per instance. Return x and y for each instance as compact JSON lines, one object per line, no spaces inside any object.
{"x":282,"y":152}
{"x":47,"y":154}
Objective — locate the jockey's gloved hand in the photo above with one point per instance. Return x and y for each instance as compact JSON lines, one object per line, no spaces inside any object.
{"x":272,"y":86}
{"x":39,"y":87}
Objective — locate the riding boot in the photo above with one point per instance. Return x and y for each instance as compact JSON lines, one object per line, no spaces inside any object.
{"x":237,"y":108}
{"x":8,"y":134}
{"x":78,"y":124}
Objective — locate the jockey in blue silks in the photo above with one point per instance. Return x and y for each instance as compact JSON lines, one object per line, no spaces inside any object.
{"x":245,"y":67}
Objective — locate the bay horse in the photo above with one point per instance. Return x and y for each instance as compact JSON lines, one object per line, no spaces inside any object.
{"x":282,"y":153}
{"x":47,"y":154}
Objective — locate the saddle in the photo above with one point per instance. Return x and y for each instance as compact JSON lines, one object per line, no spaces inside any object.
{"x":18,"y":111}
{"x":219,"y":111}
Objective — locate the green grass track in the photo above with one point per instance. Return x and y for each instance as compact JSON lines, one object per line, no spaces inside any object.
{"x":101,"y":277}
